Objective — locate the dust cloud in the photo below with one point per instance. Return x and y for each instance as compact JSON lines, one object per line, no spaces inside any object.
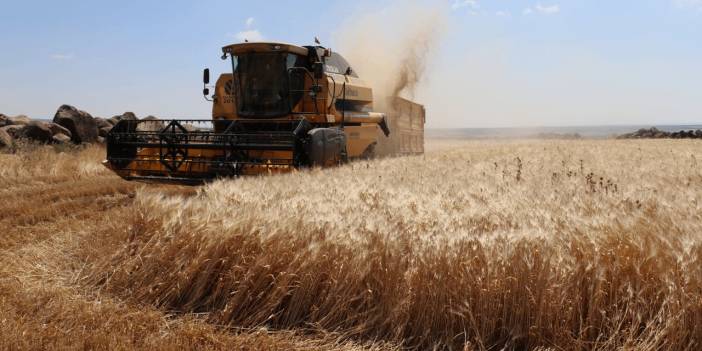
{"x":391,"y":47}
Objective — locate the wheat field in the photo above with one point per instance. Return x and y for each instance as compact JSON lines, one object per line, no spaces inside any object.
{"x":476,"y":245}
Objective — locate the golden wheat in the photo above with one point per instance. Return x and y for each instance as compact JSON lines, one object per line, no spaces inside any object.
{"x":476,"y":245}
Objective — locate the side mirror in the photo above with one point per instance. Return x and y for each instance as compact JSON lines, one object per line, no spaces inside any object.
{"x":206,"y":91}
{"x":206,"y":76}
{"x":318,"y":68}
{"x":348,"y":72}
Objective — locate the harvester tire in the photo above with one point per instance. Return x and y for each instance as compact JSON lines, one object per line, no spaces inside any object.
{"x":326,"y":147}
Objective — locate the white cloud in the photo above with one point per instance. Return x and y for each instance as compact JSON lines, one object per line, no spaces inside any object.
{"x":502,"y":14}
{"x":694,"y":4}
{"x":250,"y":35}
{"x":545,"y":10}
{"x":548,"y":10}
{"x":61,"y":57}
{"x":457,"y":4}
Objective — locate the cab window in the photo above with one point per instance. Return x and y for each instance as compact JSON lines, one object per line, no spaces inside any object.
{"x":338,"y":65}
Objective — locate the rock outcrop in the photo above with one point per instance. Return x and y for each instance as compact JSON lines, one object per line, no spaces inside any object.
{"x":70,"y":125}
{"x":57,"y":129}
{"x":103,"y":123}
{"x":61,"y":138}
{"x":82,"y":125}
{"x":6,"y":139}
{"x":20,"y":120}
{"x":12,"y":130}
{"x":36,"y":131}
{"x":152,"y":124}
{"x":127,"y":115}
{"x":191,"y":128}
{"x":102,"y":132}
{"x":655,"y":133}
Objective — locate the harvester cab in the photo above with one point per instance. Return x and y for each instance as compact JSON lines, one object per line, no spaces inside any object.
{"x":281,"y":107}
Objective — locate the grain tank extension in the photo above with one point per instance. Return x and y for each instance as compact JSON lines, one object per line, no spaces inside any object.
{"x":281,"y":107}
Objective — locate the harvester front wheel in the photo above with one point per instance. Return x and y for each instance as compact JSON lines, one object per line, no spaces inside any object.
{"x":326,"y":147}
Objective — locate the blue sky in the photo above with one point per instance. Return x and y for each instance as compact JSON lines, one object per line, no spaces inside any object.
{"x":493,"y":63}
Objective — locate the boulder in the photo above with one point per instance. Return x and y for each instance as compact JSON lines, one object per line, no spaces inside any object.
{"x":151,"y":124}
{"x":103,"y":123}
{"x":104,"y":131}
{"x":20,"y":120}
{"x":130,"y":116}
{"x":61,"y":138}
{"x":5,"y":139}
{"x":643,"y":133}
{"x":4,"y":120}
{"x":57,"y":129}
{"x":81,"y":124}
{"x":190,"y":128}
{"x":698,"y":133}
{"x":12,"y":130}
{"x":37,"y":131}
{"x":646,"y":133}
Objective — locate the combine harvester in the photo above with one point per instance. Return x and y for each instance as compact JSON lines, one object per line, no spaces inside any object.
{"x":283,"y":107}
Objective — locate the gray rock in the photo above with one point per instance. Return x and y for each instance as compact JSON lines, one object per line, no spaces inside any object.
{"x":130,"y":116}
{"x":61,"y":138}
{"x":12,"y":130}
{"x":81,"y":124}
{"x":102,"y":123}
{"x":20,"y":120}
{"x":190,"y":127}
{"x":37,"y":131}
{"x":57,"y":129}
{"x":5,"y":139}
{"x":104,"y":131}
{"x":698,"y":133}
{"x":150,"y":124}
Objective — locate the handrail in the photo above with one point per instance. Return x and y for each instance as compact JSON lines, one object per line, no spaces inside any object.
{"x":315,"y":96}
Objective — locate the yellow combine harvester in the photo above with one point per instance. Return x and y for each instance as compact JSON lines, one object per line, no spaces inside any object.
{"x":282,"y":107}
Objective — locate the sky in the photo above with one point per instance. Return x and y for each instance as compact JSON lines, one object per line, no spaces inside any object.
{"x":496,"y":63}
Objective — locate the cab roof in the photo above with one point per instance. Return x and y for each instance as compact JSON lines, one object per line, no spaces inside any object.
{"x":242,"y":48}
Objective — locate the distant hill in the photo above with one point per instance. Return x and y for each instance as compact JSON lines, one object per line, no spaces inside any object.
{"x":592,"y":132}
